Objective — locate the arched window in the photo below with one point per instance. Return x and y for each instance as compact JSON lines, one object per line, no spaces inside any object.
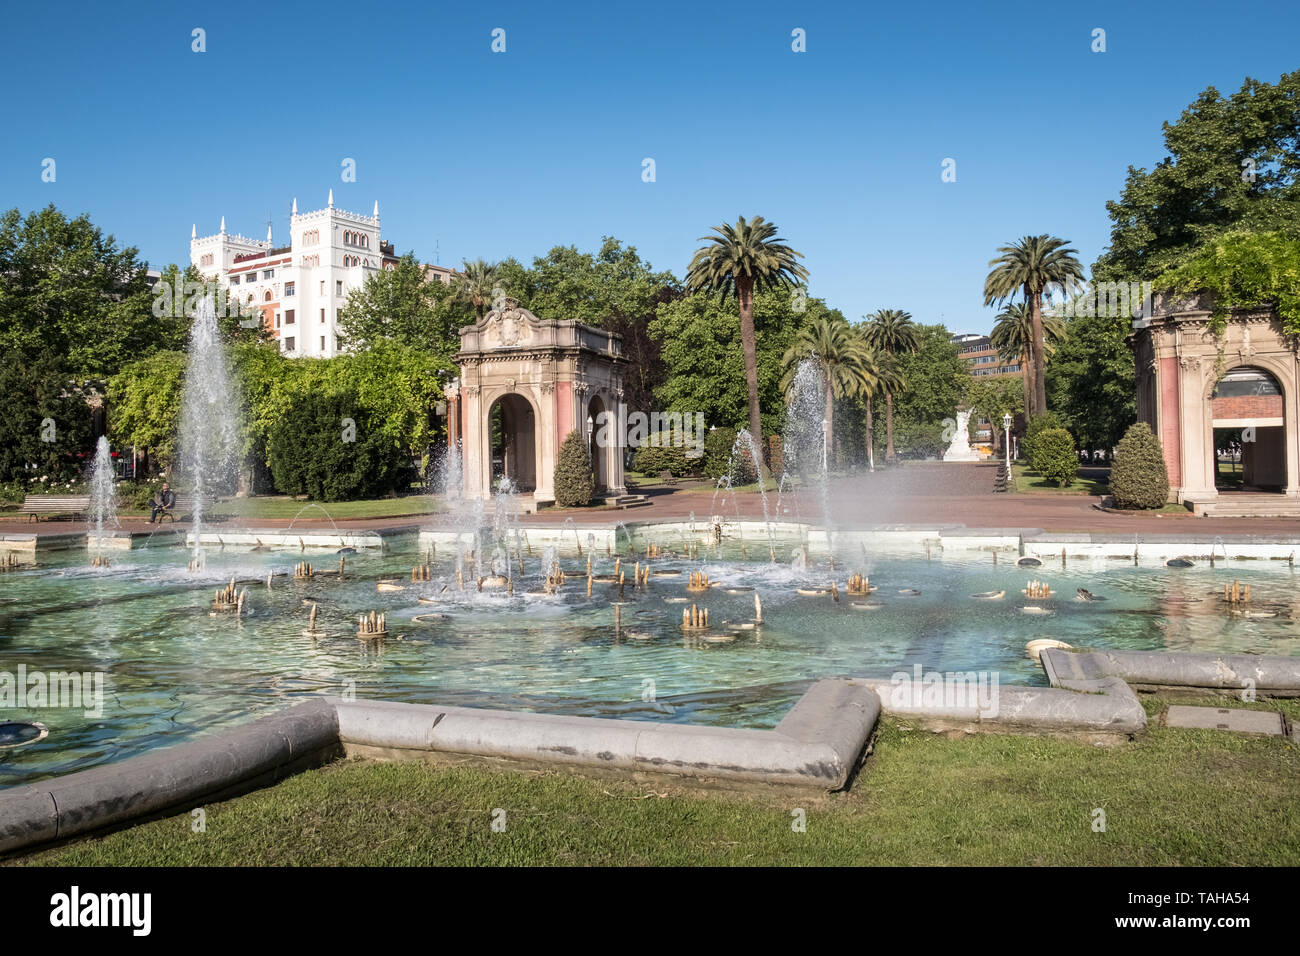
{"x":1246,"y":381}
{"x":267,"y":297}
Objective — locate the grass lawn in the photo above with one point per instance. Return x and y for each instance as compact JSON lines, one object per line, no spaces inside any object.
{"x":1173,"y":797}
{"x":1031,"y":482}
{"x":282,"y":506}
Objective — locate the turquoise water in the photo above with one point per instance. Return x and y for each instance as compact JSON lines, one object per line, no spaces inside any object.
{"x":174,"y":670}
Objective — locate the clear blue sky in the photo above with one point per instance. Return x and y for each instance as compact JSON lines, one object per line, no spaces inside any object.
{"x":476,"y":154}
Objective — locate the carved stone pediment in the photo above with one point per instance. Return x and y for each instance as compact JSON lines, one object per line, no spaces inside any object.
{"x":509,"y":326}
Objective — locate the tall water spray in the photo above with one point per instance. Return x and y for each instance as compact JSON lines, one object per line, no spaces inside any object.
{"x":209,"y":415}
{"x":805,"y":431}
{"x":103,"y":493}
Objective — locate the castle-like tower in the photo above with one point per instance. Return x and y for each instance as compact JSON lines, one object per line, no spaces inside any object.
{"x":299,"y":287}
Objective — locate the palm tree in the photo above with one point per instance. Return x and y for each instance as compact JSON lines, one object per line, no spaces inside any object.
{"x":1012,"y":335}
{"x":847,"y":364}
{"x":885,"y":378}
{"x":1031,"y":266}
{"x":477,"y":284}
{"x":741,"y":260}
{"x":892,"y":333}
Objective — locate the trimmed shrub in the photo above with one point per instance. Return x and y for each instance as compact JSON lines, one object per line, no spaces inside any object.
{"x":1055,"y":456}
{"x":1035,"y":428}
{"x":659,"y":453}
{"x":718,"y":447}
{"x":311,"y":450}
{"x":574,"y":482}
{"x":1138,"y":478}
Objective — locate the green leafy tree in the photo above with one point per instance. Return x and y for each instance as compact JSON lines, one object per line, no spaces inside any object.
{"x":574,"y":482}
{"x":327,"y":446}
{"x":404,"y":305}
{"x":1232,"y":164}
{"x":1092,"y":381}
{"x":1035,"y":428}
{"x":1033,"y":266}
{"x":1139,"y":478}
{"x":993,"y":398}
{"x":700,"y":344}
{"x":1244,"y":270}
{"x":67,"y":289}
{"x":739,"y":261}
{"x":144,"y":403}
{"x":938,"y":380}
{"x":1056,"y":457}
{"x":45,"y":424}
{"x":892,"y":333}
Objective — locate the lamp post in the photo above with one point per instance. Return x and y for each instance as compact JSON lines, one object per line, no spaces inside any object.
{"x":1006,"y":429}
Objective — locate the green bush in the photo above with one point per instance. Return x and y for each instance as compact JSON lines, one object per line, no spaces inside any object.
{"x":1138,"y":478}
{"x":1037,"y":426}
{"x":659,"y":453}
{"x":574,"y":482}
{"x":311,"y":450}
{"x":718,"y":447}
{"x":913,"y":440}
{"x":1056,"y":457}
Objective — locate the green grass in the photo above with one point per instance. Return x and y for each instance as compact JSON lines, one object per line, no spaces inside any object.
{"x":1031,"y":482}
{"x":282,"y":506}
{"x":1173,"y":797}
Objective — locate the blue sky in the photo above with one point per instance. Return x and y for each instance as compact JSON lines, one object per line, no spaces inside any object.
{"x":475,"y":154}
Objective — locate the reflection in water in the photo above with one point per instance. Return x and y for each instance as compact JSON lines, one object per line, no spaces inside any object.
{"x":175,"y":671}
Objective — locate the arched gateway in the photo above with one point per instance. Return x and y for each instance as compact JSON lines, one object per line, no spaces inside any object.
{"x":525,"y":384}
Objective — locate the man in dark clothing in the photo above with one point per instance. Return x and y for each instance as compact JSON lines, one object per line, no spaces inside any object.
{"x":164,"y":502}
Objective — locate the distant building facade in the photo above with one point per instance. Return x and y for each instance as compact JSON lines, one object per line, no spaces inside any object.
{"x":984,"y":362}
{"x":300,"y":287}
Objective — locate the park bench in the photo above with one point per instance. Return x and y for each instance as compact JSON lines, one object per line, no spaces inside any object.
{"x":54,"y":505}
{"x":183,"y":505}
{"x":667,"y":478}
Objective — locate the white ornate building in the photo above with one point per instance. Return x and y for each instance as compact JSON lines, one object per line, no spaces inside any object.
{"x":301,"y":287}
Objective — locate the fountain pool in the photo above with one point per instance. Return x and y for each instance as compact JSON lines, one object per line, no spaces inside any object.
{"x":173,"y":670}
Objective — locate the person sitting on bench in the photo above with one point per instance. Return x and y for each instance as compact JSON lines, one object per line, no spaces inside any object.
{"x":163,"y":502}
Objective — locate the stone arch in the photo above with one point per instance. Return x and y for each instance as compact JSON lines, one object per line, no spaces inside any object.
{"x":598,"y":431}
{"x":511,"y":428}
{"x":1250,"y":401}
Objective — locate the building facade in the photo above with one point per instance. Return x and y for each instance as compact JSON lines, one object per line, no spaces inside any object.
{"x":1203,"y":392}
{"x":299,"y":288}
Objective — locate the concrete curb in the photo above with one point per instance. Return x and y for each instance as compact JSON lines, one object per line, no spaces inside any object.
{"x":1273,"y":676}
{"x":181,"y":777}
{"x":1106,"y":707}
{"x":816,"y":745}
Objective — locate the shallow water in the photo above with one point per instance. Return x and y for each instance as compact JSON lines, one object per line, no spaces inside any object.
{"x":174,"y":670}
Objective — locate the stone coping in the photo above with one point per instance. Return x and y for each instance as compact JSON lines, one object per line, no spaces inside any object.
{"x":1274,"y":676}
{"x":817,"y":745}
{"x":211,"y":768}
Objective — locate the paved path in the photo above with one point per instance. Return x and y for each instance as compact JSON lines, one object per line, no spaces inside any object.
{"x":918,"y":494}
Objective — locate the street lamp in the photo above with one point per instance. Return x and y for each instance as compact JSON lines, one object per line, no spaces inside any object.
{"x":1006,"y":428}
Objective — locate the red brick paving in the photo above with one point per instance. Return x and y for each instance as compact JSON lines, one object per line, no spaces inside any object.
{"x":922,"y":493}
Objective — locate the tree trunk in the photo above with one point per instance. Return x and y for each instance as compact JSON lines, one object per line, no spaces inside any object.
{"x":1027,"y":382}
{"x":1040,"y":377}
{"x":890,"y":455}
{"x":871,"y":437}
{"x":745,"y":299}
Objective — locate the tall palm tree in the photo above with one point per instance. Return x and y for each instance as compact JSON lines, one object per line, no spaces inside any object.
{"x":1013,"y":335}
{"x":884,"y":379}
{"x":477,"y":284}
{"x":892,"y":333}
{"x":741,"y":260}
{"x":846,"y":363}
{"x":1031,"y":266}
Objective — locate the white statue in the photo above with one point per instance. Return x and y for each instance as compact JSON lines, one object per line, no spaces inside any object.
{"x":959,"y":448}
